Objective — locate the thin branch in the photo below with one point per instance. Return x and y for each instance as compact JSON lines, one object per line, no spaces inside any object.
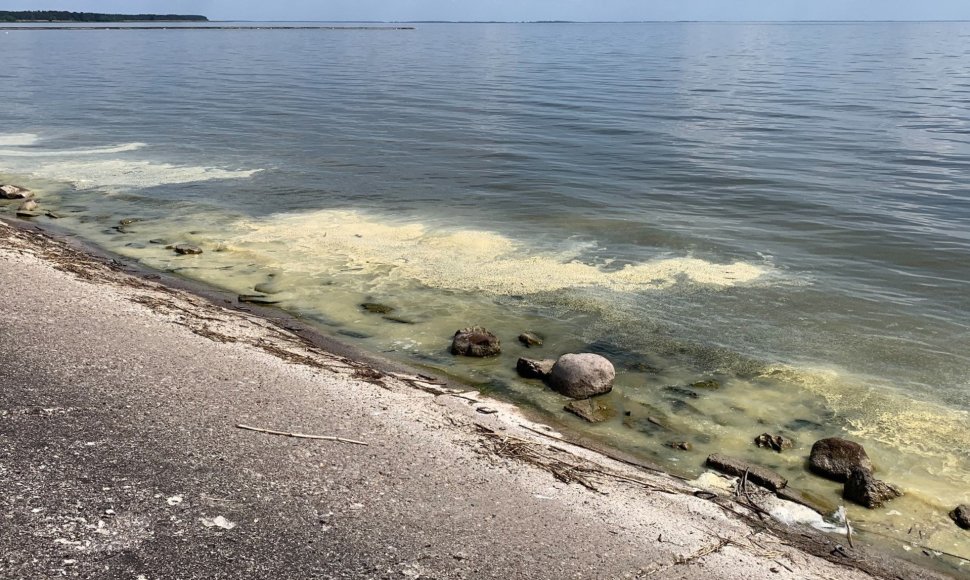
{"x":300,"y":435}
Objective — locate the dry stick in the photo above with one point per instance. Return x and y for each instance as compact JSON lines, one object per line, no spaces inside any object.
{"x":301,"y":435}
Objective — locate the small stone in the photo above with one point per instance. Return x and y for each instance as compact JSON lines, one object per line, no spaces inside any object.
{"x":775,"y":442}
{"x":15,"y":192}
{"x":185,"y":249}
{"x":756,"y":474}
{"x":256,"y":299}
{"x":271,"y":287}
{"x":710,"y":384}
{"x":486,"y":410}
{"x":29,"y":205}
{"x":475,"y":342}
{"x":864,"y":489}
{"x":534,"y":369}
{"x":680,"y":445}
{"x":129,"y":221}
{"x":53,"y":215}
{"x":835,"y":458}
{"x":375,"y":308}
{"x":530,"y":339}
{"x":582,"y":375}
{"x":590,"y":410}
{"x":961,"y":515}
{"x":158,"y":241}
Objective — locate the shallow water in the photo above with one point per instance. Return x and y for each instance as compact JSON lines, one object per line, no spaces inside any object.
{"x":780,"y":207}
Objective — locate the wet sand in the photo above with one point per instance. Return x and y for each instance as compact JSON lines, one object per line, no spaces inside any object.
{"x":120,"y":457}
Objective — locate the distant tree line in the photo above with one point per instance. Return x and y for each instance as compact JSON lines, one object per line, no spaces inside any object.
{"x":63,"y":16}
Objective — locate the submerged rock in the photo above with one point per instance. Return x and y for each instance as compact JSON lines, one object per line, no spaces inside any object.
{"x":534,"y":369}
{"x":680,"y":445}
{"x":756,"y":474}
{"x":22,"y":213}
{"x":375,"y":308}
{"x":961,"y":515}
{"x":271,"y":287}
{"x":475,"y":341}
{"x":775,"y":442}
{"x":835,"y":458}
{"x":187,"y":249}
{"x":710,"y":384}
{"x":15,"y":192}
{"x":864,"y":489}
{"x":591,"y":410}
{"x":530,"y":339}
{"x":582,"y":375}
{"x":682,"y":392}
{"x":128,"y":221}
{"x":29,"y":205}
{"x":52,"y":215}
{"x":256,"y":299}
{"x":398,"y":319}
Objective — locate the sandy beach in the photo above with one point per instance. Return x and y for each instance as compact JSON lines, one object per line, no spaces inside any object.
{"x":121,"y":457}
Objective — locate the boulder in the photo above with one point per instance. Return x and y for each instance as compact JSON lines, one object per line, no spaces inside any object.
{"x":475,"y":341}
{"x":775,"y":442}
{"x":530,"y":339}
{"x":961,"y":515}
{"x":534,"y":369}
{"x":756,"y":473}
{"x":582,"y":376}
{"x":864,"y":489}
{"x":29,"y":205}
{"x":590,"y":410}
{"x":15,"y":192}
{"x":186,"y":249}
{"x":835,"y":458}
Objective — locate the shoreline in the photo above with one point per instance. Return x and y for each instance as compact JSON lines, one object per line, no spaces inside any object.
{"x":641,"y":501}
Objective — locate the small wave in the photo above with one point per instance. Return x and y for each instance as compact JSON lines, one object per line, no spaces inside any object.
{"x":18,"y":139}
{"x":70,"y":152}
{"x":117,"y":174}
{"x":468,"y":260}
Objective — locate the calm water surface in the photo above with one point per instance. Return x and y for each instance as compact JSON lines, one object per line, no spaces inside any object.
{"x":782,"y":207}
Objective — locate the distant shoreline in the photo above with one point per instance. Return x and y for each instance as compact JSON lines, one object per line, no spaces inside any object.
{"x":32,"y":16}
{"x":206,"y":27}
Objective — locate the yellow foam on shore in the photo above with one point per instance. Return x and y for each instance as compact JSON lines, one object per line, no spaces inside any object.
{"x":469,"y":260}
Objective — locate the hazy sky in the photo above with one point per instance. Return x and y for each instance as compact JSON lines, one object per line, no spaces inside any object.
{"x":524,"y":9}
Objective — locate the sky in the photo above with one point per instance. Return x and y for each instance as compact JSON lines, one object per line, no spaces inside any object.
{"x":517,"y":10}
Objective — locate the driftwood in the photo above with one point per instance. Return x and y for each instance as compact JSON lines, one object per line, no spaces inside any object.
{"x":300,"y":435}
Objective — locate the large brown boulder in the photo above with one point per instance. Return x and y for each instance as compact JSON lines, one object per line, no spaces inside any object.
{"x":582,"y":376}
{"x":475,"y":341}
{"x":835,"y":458}
{"x":864,"y":489}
